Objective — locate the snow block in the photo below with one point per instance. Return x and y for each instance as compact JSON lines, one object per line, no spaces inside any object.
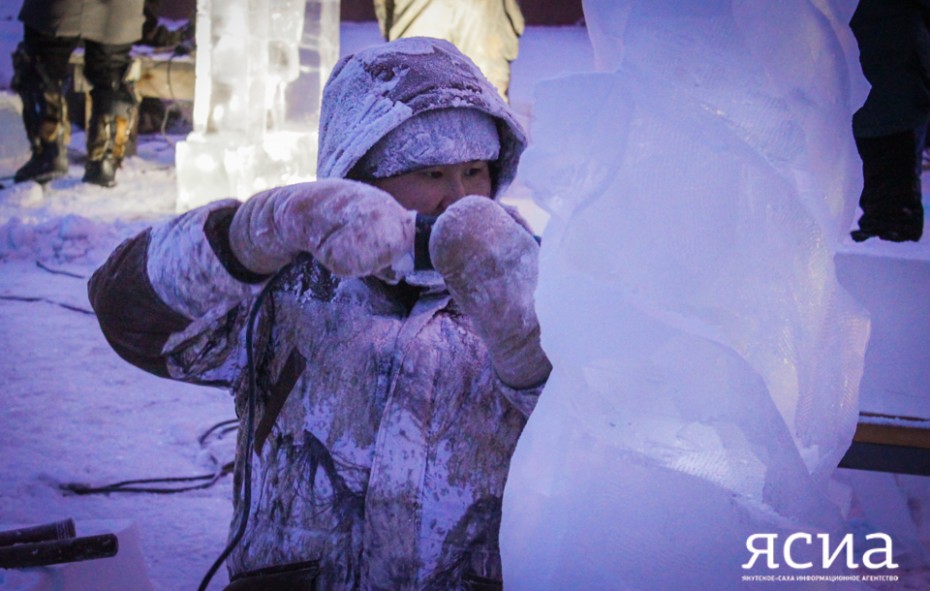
{"x":895,"y":290}
{"x":14,"y":149}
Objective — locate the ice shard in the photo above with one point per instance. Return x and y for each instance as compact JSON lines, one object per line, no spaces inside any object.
{"x":706,"y":361}
{"x":260,"y":70}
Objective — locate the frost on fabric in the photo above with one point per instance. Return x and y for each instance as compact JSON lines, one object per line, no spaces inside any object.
{"x":373,"y":91}
{"x":185,"y":272}
{"x":388,"y":459}
{"x":436,"y":137}
{"x":706,"y":361}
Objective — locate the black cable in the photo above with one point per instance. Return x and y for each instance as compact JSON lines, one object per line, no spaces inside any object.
{"x":45,"y":267}
{"x":250,"y":435}
{"x":179,"y":50}
{"x":164,"y":120}
{"x":31,"y":299}
{"x":219,"y":425}
{"x":127,"y":486}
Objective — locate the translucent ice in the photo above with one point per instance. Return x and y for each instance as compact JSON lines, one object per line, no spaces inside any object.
{"x":261,"y":66}
{"x":706,"y":360}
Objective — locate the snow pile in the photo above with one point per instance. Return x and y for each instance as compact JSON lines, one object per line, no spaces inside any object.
{"x":14,"y":150}
{"x":67,"y":238}
{"x":706,"y":360}
{"x":67,"y":220}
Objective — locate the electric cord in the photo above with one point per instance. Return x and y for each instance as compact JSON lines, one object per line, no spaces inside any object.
{"x":45,"y":267}
{"x":31,"y":299}
{"x":128,"y":486}
{"x":227,"y":426}
{"x":173,"y":105}
{"x":132,"y":486}
{"x":250,"y":433}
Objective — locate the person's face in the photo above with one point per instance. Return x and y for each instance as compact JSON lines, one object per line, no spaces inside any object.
{"x":431,"y":190}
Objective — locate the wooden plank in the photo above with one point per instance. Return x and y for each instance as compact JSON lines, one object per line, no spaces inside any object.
{"x":886,"y":443}
{"x":168,"y":79}
{"x":58,"y":530}
{"x":887,"y":458}
{"x":893,"y":430}
{"x":156,"y":75}
{"x":58,"y":551}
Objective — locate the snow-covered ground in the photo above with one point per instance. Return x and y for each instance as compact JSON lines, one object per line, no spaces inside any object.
{"x":74,"y":412}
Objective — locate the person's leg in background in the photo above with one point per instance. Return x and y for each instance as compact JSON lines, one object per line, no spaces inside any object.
{"x":487,"y":31}
{"x":112,"y":112}
{"x":890,"y":127}
{"x":40,"y":72}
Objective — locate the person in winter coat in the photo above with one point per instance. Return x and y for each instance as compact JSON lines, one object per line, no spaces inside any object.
{"x":52,"y":30}
{"x":388,"y":397}
{"x":487,"y":31}
{"x":891,"y":126}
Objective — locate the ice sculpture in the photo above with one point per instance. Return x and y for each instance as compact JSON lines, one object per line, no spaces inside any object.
{"x":261,"y":66}
{"x":706,"y":359}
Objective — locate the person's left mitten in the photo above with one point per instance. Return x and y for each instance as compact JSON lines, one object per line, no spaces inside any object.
{"x":351,"y":228}
{"x":490,"y":265}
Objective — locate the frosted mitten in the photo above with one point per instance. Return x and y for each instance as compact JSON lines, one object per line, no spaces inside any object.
{"x":490,"y":265}
{"x":351,"y":228}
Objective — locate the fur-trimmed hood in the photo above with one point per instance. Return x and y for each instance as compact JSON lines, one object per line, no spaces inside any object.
{"x":373,"y":91}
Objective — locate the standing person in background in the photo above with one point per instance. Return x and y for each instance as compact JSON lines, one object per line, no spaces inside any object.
{"x":890,"y":128}
{"x":487,"y":31}
{"x":52,"y":30}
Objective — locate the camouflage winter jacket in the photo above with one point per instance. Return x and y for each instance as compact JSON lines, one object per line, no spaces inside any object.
{"x":387,"y":460}
{"x":382,"y":435}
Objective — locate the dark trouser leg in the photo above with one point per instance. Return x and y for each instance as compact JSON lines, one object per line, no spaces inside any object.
{"x":891,"y":194}
{"x":894,"y":52}
{"x":40,"y":70}
{"x":113,"y":110}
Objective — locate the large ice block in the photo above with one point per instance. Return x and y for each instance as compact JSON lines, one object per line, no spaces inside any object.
{"x":216,"y":165}
{"x":261,"y":66}
{"x":706,"y":361}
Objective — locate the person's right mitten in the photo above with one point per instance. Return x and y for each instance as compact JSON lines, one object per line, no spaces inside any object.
{"x":351,"y":228}
{"x":490,"y":265}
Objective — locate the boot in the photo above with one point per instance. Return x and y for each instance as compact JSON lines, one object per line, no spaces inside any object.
{"x":101,"y":172}
{"x":891,"y":193}
{"x":113,"y":112}
{"x":45,"y":117}
{"x":49,"y":161}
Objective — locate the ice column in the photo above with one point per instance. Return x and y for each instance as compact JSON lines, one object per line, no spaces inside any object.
{"x":706,"y":361}
{"x":260,"y":70}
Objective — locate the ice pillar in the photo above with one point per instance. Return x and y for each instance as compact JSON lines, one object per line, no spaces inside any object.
{"x":260,"y":70}
{"x":706,"y":361}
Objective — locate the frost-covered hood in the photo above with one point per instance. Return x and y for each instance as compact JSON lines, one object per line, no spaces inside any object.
{"x":373,"y":91}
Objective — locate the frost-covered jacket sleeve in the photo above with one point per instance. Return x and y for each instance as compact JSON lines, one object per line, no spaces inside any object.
{"x":173,"y":299}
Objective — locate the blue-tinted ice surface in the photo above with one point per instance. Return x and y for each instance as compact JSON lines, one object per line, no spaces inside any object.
{"x":706,"y":360}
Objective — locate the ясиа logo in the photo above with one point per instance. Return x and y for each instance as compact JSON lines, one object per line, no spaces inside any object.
{"x":765,"y":545}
